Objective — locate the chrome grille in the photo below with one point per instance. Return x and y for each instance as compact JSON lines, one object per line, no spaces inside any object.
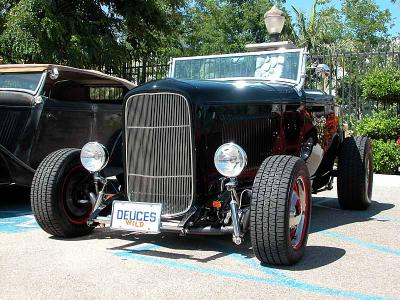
{"x":159,"y":154}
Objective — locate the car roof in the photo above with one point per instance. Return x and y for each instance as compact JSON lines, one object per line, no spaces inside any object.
{"x":85,"y":74}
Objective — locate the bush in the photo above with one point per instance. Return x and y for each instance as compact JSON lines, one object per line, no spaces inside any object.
{"x":382,"y":84}
{"x":382,"y":125}
{"x":386,"y":157}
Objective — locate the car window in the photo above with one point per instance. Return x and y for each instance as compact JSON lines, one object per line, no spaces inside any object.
{"x":106,"y":94}
{"x":20,"y":81}
{"x":267,"y":66}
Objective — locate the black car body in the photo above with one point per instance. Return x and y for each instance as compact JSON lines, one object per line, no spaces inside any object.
{"x":44,"y":108}
{"x":230,"y":143}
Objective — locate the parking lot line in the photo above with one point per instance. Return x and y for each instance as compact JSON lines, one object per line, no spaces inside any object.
{"x":17,"y":221}
{"x":359,"y":242}
{"x":274,"y":277}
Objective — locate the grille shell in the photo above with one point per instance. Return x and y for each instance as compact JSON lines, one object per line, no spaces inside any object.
{"x":159,"y":151}
{"x":11,"y":125}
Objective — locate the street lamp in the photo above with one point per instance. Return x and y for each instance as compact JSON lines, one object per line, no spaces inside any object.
{"x":274,"y":21}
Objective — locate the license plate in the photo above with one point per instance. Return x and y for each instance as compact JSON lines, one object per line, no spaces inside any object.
{"x":136,"y":216}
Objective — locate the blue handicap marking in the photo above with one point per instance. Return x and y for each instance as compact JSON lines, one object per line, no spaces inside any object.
{"x":268,"y":275}
{"x":17,"y":221}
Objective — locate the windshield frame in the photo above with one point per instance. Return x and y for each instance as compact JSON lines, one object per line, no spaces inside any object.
{"x":296,"y":82}
{"x":35,"y":92}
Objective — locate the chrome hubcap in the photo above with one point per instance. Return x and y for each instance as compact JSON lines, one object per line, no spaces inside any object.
{"x":298,"y":212}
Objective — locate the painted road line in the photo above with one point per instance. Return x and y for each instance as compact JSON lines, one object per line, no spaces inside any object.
{"x":191,"y":267}
{"x":274,"y":277}
{"x":358,"y":242}
{"x":18,"y":224}
{"x":290,"y":282}
{"x":293,"y":283}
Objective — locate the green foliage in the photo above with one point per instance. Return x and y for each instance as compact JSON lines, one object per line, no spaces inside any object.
{"x":213,"y":26}
{"x":365,"y":23}
{"x":386,"y":157}
{"x":85,"y":32}
{"x":383,"y":125}
{"x":323,"y":27}
{"x":357,"y":24}
{"x":151,"y":28}
{"x":223,"y":26}
{"x":74,"y":32}
{"x":382,"y":84}
{"x":108,"y":32}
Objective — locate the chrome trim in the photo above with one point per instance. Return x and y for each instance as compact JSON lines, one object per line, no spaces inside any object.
{"x":302,"y":74}
{"x":160,"y":190}
{"x":105,"y":152}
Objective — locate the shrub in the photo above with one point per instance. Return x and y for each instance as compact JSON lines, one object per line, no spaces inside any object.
{"x":383,"y":125}
{"x":386,"y":157}
{"x":382,"y":84}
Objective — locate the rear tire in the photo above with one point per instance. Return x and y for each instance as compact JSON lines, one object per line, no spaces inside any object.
{"x":355,"y":174}
{"x":59,"y":182}
{"x":280,"y":210}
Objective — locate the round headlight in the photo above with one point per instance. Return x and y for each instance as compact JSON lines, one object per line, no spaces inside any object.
{"x":230,"y":160}
{"x":94,"y":156}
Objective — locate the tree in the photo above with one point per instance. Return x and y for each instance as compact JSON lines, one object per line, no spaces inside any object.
{"x":152,"y":27}
{"x":84,"y":32}
{"x":366,"y":24}
{"x":213,"y":26}
{"x":321,"y":29}
{"x":358,"y":23}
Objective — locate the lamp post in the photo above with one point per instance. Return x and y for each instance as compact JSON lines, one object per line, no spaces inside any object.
{"x":274,"y":21}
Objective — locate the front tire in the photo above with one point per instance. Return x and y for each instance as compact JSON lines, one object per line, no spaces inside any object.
{"x":280,"y":210}
{"x":58,"y":188}
{"x":355,"y":174}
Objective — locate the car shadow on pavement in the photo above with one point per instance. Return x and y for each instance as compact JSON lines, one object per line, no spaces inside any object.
{"x":14,"y":201}
{"x":326,"y":214}
{"x":214,"y":248}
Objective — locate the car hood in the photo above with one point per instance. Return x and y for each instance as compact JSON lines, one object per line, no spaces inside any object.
{"x":13,"y":98}
{"x":209,"y":92}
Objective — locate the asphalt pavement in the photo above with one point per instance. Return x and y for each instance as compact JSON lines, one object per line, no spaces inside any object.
{"x":350,"y":254}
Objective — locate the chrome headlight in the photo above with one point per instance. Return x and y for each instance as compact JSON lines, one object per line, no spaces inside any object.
{"x":94,"y":156}
{"x":230,"y":160}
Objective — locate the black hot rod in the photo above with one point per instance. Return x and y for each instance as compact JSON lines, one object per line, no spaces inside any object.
{"x":227,"y":144}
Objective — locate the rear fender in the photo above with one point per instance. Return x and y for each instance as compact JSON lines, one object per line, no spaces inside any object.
{"x":324,"y":172}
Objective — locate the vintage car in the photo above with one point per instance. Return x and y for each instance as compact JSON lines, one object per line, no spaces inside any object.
{"x":44,"y":108}
{"x":228,"y":144}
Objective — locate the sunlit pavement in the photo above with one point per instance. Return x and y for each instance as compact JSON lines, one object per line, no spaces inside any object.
{"x":350,"y":255}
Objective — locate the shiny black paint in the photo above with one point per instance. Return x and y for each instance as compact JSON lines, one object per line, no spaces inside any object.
{"x":29,"y":131}
{"x":265,"y":119}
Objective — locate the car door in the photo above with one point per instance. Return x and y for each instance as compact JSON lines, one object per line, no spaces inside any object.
{"x":66,"y":122}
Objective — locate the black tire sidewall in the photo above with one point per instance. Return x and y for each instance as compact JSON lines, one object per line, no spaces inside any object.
{"x":69,"y":163}
{"x":270,"y":210}
{"x":354,"y":160}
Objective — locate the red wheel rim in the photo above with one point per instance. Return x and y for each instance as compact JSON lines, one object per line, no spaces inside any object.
{"x":299,"y":212}
{"x":75,"y":187}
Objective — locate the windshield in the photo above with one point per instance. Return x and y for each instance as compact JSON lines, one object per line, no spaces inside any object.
{"x":20,"y":81}
{"x":274,"y":66}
